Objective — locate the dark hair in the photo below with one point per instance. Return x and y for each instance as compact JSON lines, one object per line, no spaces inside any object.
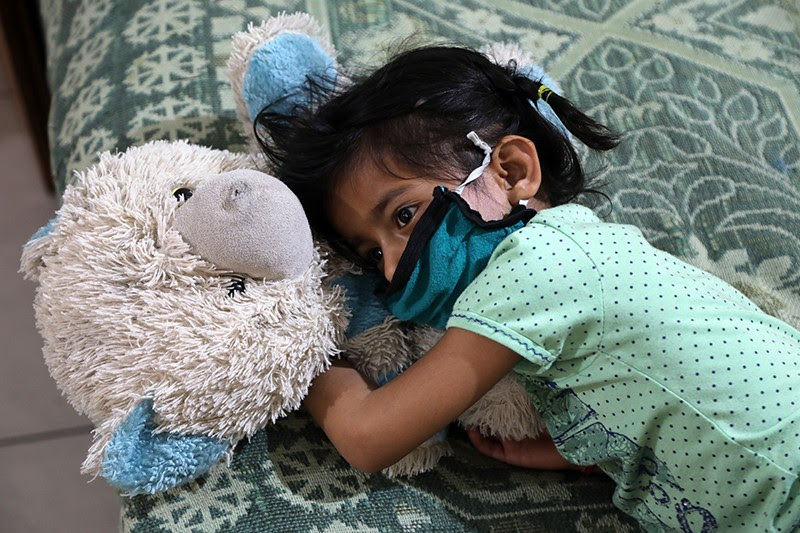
{"x":416,"y":110}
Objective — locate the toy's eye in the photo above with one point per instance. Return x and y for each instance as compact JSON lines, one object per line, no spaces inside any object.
{"x":182,"y":194}
{"x":236,"y":285}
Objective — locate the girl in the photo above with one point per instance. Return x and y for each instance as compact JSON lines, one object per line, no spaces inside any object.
{"x":679,"y":388}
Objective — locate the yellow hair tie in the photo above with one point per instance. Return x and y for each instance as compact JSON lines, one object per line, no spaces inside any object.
{"x":544,"y":92}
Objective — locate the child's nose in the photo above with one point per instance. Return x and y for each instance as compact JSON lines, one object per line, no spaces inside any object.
{"x":391,"y":256}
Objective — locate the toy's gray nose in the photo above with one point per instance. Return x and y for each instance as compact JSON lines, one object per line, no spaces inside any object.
{"x":248,"y":222}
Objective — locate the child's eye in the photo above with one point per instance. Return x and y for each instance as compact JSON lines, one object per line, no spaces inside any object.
{"x":405,"y":215}
{"x":374,"y":256}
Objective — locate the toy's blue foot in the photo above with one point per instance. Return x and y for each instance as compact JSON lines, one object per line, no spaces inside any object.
{"x":137,"y":461}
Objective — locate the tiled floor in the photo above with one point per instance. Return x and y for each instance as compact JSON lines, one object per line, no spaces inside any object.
{"x":42,"y":440}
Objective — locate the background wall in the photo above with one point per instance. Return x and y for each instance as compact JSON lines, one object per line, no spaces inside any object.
{"x":42,"y":440}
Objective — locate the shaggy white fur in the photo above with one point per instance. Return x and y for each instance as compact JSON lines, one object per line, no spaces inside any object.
{"x":127,"y":311}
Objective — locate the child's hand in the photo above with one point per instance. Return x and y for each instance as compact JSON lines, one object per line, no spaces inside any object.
{"x":538,"y":453}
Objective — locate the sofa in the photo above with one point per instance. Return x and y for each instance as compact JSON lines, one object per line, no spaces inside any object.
{"x":706,"y":94}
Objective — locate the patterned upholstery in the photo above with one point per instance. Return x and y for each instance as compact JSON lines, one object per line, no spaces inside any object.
{"x":706,"y":92}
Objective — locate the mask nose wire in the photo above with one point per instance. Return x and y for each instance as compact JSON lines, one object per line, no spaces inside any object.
{"x":475,"y":174}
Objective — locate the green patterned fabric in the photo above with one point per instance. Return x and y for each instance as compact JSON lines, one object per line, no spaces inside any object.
{"x":707,"y":94}
{"x":291,"y":479}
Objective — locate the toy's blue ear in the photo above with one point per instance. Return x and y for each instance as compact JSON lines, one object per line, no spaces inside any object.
{"x":279,"y":70}
{"x":138,"y":461}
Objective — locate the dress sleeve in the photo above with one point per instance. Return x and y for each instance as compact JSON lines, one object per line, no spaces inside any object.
{"x":539,"y":295}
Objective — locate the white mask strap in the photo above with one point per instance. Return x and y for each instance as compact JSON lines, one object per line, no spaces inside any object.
{"x":475,"y":174}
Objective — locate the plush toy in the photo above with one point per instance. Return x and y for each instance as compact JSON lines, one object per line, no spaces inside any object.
{"x":183,"y":305}
{"x":180,"y":293}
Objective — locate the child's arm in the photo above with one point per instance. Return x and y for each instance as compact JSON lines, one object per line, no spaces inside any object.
{"x":375,"y":427}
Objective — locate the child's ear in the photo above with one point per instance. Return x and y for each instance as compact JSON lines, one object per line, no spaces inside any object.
{"x":516,"y":168}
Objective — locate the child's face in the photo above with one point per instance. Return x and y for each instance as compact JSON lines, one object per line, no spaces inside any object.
{"x":376,"y":211}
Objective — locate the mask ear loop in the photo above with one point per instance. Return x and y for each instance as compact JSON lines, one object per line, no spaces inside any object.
{"x":475,"y":174}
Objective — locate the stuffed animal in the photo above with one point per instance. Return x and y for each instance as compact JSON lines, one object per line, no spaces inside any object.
{"x":379,"y":345}
{"x":180,"y":293}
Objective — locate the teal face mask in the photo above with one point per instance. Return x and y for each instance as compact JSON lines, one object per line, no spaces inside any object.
{"x":450,"y":245}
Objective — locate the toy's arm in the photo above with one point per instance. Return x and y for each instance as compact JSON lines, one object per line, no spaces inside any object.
{"x":139,"y":461}
{"x":375,"y":427}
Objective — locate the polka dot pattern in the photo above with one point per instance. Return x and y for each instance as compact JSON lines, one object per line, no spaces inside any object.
{"x":663,"y":359}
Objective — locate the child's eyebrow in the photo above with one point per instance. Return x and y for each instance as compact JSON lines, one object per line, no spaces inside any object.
{"x":387,"y":197}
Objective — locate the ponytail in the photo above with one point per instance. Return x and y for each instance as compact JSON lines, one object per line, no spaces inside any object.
{"x":587,"y":130}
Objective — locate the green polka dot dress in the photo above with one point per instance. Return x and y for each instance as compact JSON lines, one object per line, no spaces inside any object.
{"x":669,"y":379}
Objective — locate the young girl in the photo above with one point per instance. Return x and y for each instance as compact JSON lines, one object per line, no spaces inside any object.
{"x":679,"y":388}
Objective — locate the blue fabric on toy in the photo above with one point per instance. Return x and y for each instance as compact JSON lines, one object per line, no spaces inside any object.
{"x":366,"y":309}
{"x":45,"y":230}
{"x":278,"y":71}
{"x":139,"y":461}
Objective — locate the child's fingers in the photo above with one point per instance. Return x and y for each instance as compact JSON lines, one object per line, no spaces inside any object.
{"x":539,"y":453}
{"x":486,"y":445}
